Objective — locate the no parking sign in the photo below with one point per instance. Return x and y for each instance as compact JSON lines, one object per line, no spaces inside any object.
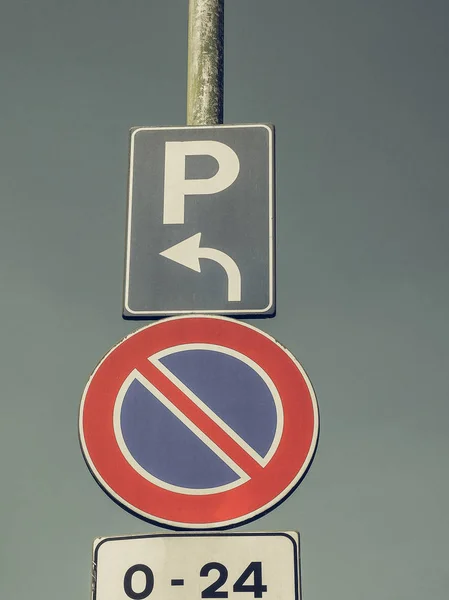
{"x":198,"y":422}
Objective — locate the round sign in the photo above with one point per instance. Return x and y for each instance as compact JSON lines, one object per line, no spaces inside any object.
{"x":199,"y":422}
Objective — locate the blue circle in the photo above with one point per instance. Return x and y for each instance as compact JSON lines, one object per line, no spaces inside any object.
{"x":166,"y":448}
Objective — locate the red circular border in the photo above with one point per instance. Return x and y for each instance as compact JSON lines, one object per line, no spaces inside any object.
{"x":278,"y":477}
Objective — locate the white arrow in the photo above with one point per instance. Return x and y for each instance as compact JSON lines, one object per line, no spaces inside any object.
{"x":188,"y":252}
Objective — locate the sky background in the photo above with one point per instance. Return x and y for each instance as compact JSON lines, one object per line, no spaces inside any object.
{"x":359,"y":94}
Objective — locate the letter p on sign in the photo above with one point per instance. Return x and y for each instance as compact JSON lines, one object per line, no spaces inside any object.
{"x":177,"y":187}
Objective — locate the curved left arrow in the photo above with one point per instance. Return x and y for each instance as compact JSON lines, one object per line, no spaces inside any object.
{"x":188,"y":252}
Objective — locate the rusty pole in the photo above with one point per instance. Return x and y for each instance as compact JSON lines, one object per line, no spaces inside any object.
{"x":205,"y":62}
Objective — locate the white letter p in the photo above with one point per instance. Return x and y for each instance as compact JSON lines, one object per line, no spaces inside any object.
{"x":176,"y":186}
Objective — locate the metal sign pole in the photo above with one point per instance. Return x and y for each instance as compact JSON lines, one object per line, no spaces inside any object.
{"x":205,"y":62}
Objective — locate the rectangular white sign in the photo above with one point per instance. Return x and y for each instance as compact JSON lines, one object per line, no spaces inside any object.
{"x":238,"y":566}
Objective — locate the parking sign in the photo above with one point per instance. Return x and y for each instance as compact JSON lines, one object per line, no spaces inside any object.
{"x":200,"y":230}
{"x":199,"y":422}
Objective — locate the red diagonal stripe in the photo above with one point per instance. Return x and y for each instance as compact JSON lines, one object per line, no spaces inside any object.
{"x":199,"y":418}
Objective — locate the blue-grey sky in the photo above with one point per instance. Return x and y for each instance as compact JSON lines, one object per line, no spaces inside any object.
{"x":358,"y":92}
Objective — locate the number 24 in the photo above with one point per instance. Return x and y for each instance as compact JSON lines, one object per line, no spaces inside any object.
{"x":254,"y":568}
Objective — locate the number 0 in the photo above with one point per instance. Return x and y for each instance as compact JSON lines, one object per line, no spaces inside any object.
{"x":128,"y":582}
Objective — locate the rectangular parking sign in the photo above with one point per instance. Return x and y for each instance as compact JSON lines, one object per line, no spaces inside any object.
{"x":200,"y":227}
